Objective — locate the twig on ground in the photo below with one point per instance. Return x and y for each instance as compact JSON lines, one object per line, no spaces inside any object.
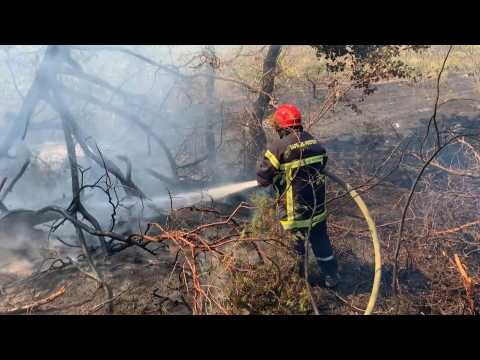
{"x":31,"y":307}
{"x":99,"y":306}
{"x":467,"y":283}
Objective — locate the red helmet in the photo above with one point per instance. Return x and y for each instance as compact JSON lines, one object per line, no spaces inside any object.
{"x":288,"y":115}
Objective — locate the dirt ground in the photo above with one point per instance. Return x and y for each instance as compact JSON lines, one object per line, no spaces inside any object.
{"x":133,"y":276}
{"x":140,"y":281}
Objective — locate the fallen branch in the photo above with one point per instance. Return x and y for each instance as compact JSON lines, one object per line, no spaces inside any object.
{"x":455,"y":229}
{"x":348,"y":303}
{"x":467,"y":283}
{"x":190,"y":245}
{"x":99,"y":306}
{"x":457,"y":172}
{"x":131,"y":240}
{"x":31,"y":307}
{"x":476,"y":154}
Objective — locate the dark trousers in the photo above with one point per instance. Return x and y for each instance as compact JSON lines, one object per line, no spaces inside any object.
{"x":322,"y":248}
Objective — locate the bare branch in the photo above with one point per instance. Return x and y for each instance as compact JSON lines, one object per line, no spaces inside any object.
{"x":15,"y":180}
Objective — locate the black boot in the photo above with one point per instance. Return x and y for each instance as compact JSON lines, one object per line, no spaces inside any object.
{"x":330,"y":270}
{"x":331,"y":281}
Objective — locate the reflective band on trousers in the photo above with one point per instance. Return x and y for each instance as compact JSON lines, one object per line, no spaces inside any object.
{"x":331,"y":257}
{"x":273,"y":159}
{"x":296,"y":224}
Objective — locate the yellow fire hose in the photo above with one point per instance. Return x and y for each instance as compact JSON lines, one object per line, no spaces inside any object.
{"x":373,"y":233}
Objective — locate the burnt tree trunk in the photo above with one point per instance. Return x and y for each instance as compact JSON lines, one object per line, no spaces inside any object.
{"x":257,"y":135}
{"x":34,"y":95}
{"x":76,"y":205}
{"x":210,"y":124}
{"x":69,"y":140}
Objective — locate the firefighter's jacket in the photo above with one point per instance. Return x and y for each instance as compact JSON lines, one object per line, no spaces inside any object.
{"x":293,"y":165}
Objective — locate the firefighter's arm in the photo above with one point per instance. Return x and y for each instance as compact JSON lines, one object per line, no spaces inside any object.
{"x":324,"y":164}
{"x":323,"y":152}
{"x":267,"y":168}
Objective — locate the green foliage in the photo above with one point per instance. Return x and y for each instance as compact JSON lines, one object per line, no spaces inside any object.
{"x":366,"y":64}
{"x":263,"y":291}
{"x":272,"y":286}
{"x":263,"y":221}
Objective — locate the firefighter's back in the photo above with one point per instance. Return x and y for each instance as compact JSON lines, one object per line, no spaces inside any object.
{"x":307,"y":158}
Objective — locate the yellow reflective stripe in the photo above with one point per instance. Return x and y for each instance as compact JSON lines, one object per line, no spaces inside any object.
{"x":290,"y":203}
{"x":273,"y":159}
{"x":304,"y":162}
{"x":302,"y":144}
{"x":294,"y":224}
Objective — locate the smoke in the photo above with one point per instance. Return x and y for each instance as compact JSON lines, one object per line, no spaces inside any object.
{"x":20,"y":248}
{"x":105,"y":90}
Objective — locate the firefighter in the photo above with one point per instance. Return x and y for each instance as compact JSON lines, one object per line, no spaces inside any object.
{"x":293,"y":164}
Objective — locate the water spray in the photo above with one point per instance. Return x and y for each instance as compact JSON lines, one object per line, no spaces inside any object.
{"x":210,"y":194}
{"x":151,"y":207}
{"x":220,"y":192}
